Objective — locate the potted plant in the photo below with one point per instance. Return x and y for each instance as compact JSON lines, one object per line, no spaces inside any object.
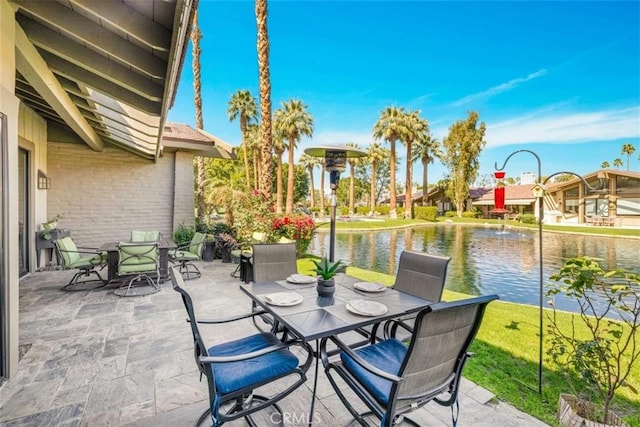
{"x":49,"y":226}
{"x":326,"y":271}
{"x":597,"y":347}
{"x":226,"y":243}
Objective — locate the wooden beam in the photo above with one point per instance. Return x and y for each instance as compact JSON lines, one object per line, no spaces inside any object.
{"x":129,"y":21}
{"x":34,"y":68}
{"x":90,"y":61}
{"x":75,"y":73}
{"x":96,"y":36}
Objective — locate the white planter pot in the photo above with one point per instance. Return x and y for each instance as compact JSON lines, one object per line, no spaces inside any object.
{"x":568,"y":414}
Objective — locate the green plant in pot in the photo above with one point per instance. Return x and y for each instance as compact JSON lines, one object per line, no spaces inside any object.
{"x":326,"y":271}
{"x":597,"y":348}
{"x":49,"y":226}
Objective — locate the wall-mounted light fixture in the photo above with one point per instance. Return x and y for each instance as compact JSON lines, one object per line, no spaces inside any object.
{"x":44,"y":182}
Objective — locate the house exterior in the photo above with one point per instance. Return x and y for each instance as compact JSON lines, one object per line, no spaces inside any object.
{"x":619,"y":197}
{"x":84,"y":92}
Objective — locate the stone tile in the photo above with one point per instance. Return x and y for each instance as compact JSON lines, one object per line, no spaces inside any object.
{"x":104,"y":369}
{"x":75,"y":395}
{"x":69,"y":415}
{"x":181,"y":390}
{"x":69,"y":353}
{"x":30,"y":399}
{"x":116,"y":347}
{"x":95,"y":310}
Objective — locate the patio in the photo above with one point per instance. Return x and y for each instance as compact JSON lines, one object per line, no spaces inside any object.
{"x":93,"y":358}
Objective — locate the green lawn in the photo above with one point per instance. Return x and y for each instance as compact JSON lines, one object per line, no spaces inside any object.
{"x":399,"y":223}
{"x":506,"y":361}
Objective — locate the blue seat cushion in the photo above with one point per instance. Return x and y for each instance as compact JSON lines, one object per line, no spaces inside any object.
{"x":233,"y":376}
{"x":386,"y":356}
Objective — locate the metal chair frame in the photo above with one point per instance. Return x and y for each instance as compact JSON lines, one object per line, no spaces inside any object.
{"x":243,"y":401}
{"x":76,"y":284}
{"x":146,"y":253}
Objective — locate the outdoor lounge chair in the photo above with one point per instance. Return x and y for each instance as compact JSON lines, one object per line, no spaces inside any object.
{"x":422,"y":275}
{"x":185,"y":255}
{"x":85,"y":260}
{"x":238,"y":254}
{"x":393,"y":379}
{"x":138,"y":265}
{"x":236,"y":370}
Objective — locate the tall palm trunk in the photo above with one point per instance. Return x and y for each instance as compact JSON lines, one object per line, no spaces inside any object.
{"x":313,"y":191}
{"x":279,"y":182}
{"x":255,"y":167}
{"x":265,"y":97}
{"x":408,"y":192}
{"x":425,"y":184}
{"x":373,"y":188}
{"x":392,"y":184}
{"x":352,"y":188}
{"x":322,"y":188}
{"x":243,"y":130}
{"x":196,"y":35}
{"x":290,"y":176}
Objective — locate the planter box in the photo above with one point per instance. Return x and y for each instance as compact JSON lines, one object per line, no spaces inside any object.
{"x":568,"y":414}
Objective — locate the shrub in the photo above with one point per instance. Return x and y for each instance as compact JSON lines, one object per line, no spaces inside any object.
{"x":344,"y":210}
{"x":183,"y":235}
{"x":382,"y":210}
{"x":450,"y":214}
{"x":300,"y":228}
{"x":528,"y":219}
{"x":427,"y":213}
{"x":363,"y":210}
{"x":469,"y":214}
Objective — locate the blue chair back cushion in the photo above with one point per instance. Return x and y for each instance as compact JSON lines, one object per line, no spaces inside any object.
{"x":387,"y":356}
{"x":233,"y":376}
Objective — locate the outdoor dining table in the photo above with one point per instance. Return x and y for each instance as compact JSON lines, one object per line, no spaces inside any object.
{"x":318,"y":317}
{"x":164,"y":246}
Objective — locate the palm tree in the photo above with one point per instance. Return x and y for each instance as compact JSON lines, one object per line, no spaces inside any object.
{"x":427,"y":149}
{"x":628,"y":149}
{"x":605,"y":165}
{"x":265,"y":97}
{"x":294,"y":121}
{"x":253,"y":144}
{"x":310,"y":162}
{"x":415,"y":129}
{"x":278,"y":147}
{"x":617,"y":163}
{"x":390,"y":128}
{"x":242,"y":104}
{"x":353,"y":161}
{"x":196,"y":35}
{"x":375,"y":154}
{"x":322,"y":165}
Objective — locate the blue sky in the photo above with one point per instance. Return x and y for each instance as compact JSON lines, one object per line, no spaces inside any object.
{"x":559,"y":78}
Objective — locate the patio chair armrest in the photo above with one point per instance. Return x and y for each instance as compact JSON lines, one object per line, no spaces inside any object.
{"x":391,"y":326}
{"x":359,"y":360}
{"x":241,"y":357}
{"x":231,"y":318}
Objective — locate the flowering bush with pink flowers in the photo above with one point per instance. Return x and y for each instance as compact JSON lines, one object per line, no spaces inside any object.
{"x":300,"y":228}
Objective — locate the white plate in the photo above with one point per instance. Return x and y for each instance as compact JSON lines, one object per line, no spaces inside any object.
{"x":366,"y":308}
{"x":283,"y":299}
{"x":369,"y":286}
{"x":301,"y":279}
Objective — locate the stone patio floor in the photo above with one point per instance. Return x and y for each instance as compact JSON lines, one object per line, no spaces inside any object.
{"x":92,"y":358}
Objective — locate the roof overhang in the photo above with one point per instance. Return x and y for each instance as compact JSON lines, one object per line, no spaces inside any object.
{"x":104,"y":71}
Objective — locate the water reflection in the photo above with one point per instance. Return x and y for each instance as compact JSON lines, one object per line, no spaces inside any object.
{"x":484,"y":259}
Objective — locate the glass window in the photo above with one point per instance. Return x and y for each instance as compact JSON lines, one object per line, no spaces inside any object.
{"x":627,"y":184}
{"x":573,"y":192}
{"x":629,"y":206}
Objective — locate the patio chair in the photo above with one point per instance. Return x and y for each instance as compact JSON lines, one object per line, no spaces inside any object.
{"x":238,"y":254}
{"x":185,"y":255}
{"x":419,"y":274}
{"x":138,"y":265}
{"x":271,"y":262}
{"x":145,"y":236}
{"x":393,"y":379}
{"x":236,"y":370}
{"x":85,"y":260}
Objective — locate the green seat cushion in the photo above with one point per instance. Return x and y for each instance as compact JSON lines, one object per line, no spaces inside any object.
{"x":87,"y":261}
{"x":145,"y":236}
{"x":68,"y":250}
{"x":177,"y":254}
{"x":137,"y":258}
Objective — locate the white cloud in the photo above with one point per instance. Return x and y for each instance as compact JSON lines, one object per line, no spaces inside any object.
{"x":503,"y":87}
{"x":549,"y":127}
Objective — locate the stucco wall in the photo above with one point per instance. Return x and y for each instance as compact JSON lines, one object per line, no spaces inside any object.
{"x":105,"y":195}
{"x":184,"y":204}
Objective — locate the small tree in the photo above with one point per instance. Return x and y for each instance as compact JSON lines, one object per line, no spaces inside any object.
{"x":603,"y":351}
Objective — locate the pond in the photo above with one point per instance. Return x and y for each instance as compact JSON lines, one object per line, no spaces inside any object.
{"x":484,"y":260}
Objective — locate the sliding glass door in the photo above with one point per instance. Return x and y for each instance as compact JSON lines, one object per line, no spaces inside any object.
{"x":23,"y":212}
{"x":3,"y":253}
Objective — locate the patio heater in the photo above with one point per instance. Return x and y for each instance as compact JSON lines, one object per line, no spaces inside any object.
{"x":335,"y":161}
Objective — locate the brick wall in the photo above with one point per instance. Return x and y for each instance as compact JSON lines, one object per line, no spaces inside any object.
{"x":184,"y":203}
{"x":105,"y":195}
